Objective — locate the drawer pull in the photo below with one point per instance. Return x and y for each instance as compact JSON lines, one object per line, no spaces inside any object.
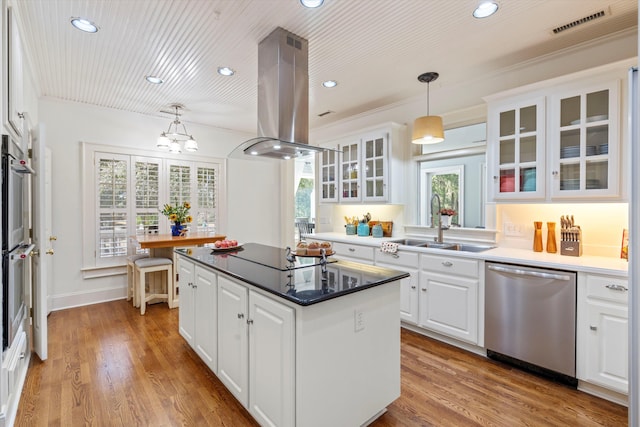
{"x":352,"y":249}
{"x":249,"y":321}
{"x":240,"y":315}
{"x":413,"y":287}
{"x":593,"y":328}
{"x":447,"y":263}
{"x":424,"y":289}
{"x":618,"y":288}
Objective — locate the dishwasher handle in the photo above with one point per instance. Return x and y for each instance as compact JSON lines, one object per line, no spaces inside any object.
{"x":523,"y":272}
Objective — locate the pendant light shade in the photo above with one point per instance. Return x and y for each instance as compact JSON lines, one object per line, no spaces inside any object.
{"x":428,"y":129}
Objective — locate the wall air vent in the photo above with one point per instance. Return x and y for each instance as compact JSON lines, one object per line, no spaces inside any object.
{"x":580,"y":21}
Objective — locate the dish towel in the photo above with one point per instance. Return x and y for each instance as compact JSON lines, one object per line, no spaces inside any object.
{"x":389,"y":247}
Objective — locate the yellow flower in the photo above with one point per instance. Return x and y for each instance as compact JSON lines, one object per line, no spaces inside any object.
{"x":187,"y":205}
{"x":189,"y":218}
{"x":173,"y":217}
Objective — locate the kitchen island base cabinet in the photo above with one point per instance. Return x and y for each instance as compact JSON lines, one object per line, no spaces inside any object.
{"x":197,"y":320}
{"x":348,"y":358}
{"x":255,"y":352}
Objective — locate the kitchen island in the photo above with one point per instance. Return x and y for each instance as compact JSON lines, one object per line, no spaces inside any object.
{"x":296,"y":341}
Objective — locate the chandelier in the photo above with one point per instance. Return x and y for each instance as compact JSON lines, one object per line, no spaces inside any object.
{"x":171,"y":138}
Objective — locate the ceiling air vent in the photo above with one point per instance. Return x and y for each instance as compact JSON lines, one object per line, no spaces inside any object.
{"x":580,"y":21}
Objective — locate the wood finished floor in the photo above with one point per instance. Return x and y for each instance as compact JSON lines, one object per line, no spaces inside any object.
{"x":109,"y":366}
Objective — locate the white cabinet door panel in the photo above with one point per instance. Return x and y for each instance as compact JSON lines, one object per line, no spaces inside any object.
{"x":233,"y":351}
{"x":206,"y":299}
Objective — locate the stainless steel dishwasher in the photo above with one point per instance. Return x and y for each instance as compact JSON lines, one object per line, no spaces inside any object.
{"x":530,"y":319}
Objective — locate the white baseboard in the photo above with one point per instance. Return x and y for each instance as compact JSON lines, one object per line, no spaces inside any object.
{"x":94,"y":296}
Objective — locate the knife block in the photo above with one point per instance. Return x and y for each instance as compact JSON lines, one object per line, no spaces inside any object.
{"x":572,"y":247}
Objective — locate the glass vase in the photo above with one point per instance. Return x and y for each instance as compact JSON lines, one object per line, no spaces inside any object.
{"x":176,"y":229}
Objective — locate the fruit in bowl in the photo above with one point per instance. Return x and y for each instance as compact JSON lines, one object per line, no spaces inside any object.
{"x":224,"y":244}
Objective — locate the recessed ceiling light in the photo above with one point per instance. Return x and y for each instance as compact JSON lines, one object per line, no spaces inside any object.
{"x":155,"y":80}
{"x":226,"y":71}
{"x":311,"y":4}
{"x":330,"y":83}
{"x":485,"y":8}
{"x":84,"y":25}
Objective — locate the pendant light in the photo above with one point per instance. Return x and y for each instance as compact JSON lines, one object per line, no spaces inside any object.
{"x":168,"y":140}
{"x":428,"y":129}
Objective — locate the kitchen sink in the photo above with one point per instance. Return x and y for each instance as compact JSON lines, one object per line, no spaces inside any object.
{"x":468,"y":247}
{"x":410,"y":242}
{"x":452,"y":246}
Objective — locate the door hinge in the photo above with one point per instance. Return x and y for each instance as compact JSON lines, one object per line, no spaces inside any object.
{"x":177,"y":277}
{"x":30,"y":153}
{"x":30,"y":311}
{"x":31,"y":233}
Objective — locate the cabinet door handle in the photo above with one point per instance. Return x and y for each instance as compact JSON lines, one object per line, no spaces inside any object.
{"x":249,"y":321}
{"x":413,"y":287}
{"x":240,"y":315}
{"x":447,"y":263}
{"x":424,"y":289}
{"x":352,"y":249}
{"x":618,"y":288}
{"x":593,"y":328}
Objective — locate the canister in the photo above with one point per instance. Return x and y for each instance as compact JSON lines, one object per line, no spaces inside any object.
{"x":363,"y":229}
{"x":376,"y":231}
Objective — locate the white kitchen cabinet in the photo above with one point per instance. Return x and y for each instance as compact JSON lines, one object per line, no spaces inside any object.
{"x":602,"y":331}
{"x":449,"y":296}
{"x":255,"y":352}
{"x":328,"y":175}
{"x":584,"y":141}
{"x":271,"y":361}
{"x":370,"y":166}
{"x":233,"y":344}
{"x":409,"y":263}
{"x":558,"y":139}
{"x":198,"y":308}
{"x":517,"y":149}
{"x":354,"y":252}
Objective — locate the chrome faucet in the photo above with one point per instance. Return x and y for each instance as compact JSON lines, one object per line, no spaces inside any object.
{"x":440,"y":237}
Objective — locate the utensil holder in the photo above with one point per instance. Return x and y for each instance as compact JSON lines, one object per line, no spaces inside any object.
{"x":351,"y":229}
{"x":363,"y":229}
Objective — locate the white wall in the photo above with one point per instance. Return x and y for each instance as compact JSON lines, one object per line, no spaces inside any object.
{"x":253,"y":188}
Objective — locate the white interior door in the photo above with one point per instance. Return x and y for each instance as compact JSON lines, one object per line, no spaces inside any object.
{"x":42,"y":238}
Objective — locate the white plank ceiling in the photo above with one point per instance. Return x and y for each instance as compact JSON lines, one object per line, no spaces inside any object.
{"x":375,"y":49}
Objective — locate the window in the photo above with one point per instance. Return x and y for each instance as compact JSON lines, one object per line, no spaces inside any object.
{"x":447,"y":183}
{"x":126,"y":191}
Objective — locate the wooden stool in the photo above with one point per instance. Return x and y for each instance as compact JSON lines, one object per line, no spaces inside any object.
{"x":152,"y":265}
{"x":132,"y":289}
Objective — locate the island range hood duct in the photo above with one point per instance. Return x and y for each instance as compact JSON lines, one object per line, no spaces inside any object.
{"x":283,"y":100}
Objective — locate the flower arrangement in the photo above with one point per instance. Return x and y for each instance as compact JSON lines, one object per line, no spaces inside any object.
{"x":178,"y":214}
{"x":447,"y":211}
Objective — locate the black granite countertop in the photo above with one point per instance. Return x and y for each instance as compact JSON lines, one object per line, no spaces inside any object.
{"x":302,"y":282}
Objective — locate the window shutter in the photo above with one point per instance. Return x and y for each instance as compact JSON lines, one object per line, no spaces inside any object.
{"x":147,"y":195}
{"x":207,"y":203}
{"x":112,"y":207}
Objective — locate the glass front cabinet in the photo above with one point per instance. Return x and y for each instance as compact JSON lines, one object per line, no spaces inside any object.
{"x":557,"y":142}
{"x":328,"y":171}
{"x":361,"y":171}
{"x":518,"y":150}
{"x":584,"y":142}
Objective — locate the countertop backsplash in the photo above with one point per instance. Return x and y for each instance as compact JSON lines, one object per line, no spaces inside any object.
{"x":601,"y":224}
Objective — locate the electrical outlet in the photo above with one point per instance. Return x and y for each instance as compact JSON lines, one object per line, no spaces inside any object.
{"x":359,"y":320}
{"x":513,"y":230}
{"x":324,"y":220}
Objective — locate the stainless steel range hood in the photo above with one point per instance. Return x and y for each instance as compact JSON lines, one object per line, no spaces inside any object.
{"x":283,"y":100}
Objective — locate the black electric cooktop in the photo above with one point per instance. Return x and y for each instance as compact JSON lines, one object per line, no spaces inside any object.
{"x":274,"y":257}
{"x":302,"y":281}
